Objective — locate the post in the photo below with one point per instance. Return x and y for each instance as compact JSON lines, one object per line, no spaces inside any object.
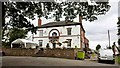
{"x":80,"y":20}
{"x":109,"y":37}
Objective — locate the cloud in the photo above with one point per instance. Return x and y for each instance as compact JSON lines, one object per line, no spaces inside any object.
{"x":96,"y":31}
{"x":119,"y":8}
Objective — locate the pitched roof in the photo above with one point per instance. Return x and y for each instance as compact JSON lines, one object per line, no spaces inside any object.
{"x":60,"y":23}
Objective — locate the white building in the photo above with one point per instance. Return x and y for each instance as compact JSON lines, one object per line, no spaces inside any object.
{"x":60,"y":34}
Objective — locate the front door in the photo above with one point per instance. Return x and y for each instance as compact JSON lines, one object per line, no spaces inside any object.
{"x":54,"y":37}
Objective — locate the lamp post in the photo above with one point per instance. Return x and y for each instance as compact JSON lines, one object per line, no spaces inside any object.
{"x":109,"y":37}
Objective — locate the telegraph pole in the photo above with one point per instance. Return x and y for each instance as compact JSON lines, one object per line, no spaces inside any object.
{"x":109,"y":37}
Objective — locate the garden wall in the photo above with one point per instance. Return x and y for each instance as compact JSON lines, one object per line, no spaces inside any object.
{"x":60,"y":53}
{"x":18,"y":52}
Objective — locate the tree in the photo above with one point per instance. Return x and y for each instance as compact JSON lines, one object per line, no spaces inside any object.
{"x":20,"y":13}
{"x":118,"y":23}
{"x":98,"y":47}
{"x":15,"y":34}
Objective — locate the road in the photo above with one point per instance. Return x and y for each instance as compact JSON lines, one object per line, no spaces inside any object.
{"x":47,"y":61}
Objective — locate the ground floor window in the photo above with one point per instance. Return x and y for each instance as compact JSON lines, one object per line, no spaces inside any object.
{"x":40,"y":43}
{"x":69,"y":42}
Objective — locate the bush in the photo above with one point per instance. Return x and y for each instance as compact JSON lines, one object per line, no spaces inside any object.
{"x":5,"y":44}
{"x":117,"y":59}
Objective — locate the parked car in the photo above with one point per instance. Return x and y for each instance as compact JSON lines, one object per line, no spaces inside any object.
{"x":106,"y":55}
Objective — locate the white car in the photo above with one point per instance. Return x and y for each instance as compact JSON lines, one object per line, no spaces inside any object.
{"x":106,"y":55}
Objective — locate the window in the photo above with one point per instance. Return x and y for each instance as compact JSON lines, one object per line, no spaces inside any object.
{"x":69,"y":42}
{"x":40,"y":42}
{"x":40,"y":33}
{"x":54,"y":34}
{"x":69,"y":31}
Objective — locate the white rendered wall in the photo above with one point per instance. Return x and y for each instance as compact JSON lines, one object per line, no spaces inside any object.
{"x":75,"y":35}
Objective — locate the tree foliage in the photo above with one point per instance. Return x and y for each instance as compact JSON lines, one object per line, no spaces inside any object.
{"x":20,"y":13}
{"x":15,"y":34}
{"x":118,"y":23}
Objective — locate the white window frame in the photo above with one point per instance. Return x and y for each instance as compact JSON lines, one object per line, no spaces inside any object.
{"x":40,"y":33}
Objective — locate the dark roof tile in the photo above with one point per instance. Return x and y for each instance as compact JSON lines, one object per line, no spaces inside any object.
{"x":60,"y":23}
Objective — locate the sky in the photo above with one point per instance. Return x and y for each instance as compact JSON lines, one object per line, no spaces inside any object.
{"x":97,"y":31}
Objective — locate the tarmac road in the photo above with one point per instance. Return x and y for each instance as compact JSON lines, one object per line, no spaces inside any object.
{"x":48,"y":61}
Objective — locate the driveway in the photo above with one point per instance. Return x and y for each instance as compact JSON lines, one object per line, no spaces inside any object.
{"x":48,"y":61}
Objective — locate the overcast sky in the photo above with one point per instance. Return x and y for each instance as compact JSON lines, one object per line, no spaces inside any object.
{"x":97,"y":31}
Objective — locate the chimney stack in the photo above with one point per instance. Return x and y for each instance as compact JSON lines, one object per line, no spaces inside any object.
{"x":39,"y":22}
{"x":80,"y":19}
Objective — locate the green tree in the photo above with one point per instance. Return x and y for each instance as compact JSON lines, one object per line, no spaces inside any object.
{"x":98,"y":47}
{"x":20,"y":13}
{"x":15,"y":34}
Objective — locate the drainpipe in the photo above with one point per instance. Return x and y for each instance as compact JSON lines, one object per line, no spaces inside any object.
{"x":80,"y":20}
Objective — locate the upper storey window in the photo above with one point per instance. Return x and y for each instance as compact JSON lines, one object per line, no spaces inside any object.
{"x":69,"y":31}
{"x":40,"y":33}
